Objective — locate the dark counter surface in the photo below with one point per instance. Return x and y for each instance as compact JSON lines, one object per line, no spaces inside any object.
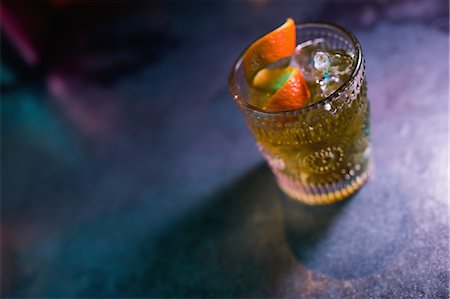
{"x":148,"y":183}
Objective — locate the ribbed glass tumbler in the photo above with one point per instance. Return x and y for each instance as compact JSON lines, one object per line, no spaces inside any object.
{"x":320,"y":153}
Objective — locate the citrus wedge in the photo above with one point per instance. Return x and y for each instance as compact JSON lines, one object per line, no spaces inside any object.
{"x":270,"y":80}
{"x":276,"y":45}
{"x":293,"y":93}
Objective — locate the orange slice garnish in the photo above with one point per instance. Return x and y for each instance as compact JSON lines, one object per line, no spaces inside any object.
{"x":271,"y":79}
{"x":276,"y":45}
{"x":293,"y":94}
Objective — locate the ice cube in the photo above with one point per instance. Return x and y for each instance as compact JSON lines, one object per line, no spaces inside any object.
{"x":321,"y":61}
{"x":322,"y":66}
{"x":340,"y":63}
{"x":303,"y":57}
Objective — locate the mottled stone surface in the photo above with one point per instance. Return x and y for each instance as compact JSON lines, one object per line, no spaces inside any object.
{"x":148,"y":184}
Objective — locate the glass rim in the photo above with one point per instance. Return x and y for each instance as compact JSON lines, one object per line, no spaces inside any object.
{"x":356,"y":67}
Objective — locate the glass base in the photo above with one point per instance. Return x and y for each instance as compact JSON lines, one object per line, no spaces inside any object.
{"x":322,"y":195}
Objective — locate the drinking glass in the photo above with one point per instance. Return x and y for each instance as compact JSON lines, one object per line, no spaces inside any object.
{"x":320,"y":153}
